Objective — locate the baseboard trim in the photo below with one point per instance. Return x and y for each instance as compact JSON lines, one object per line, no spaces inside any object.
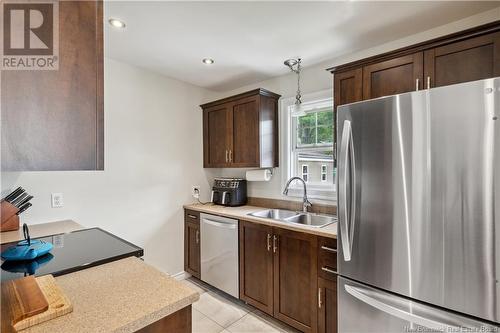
{"x":181,"y":275}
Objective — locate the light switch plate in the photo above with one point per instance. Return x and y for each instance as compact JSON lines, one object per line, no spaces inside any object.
{"x":57,"y":200}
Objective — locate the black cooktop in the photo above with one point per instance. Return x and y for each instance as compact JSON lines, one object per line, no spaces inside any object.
{"x":72,"y":252}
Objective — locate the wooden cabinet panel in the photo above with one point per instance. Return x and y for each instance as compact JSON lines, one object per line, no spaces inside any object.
{"x":327,"y":258}
{"x":295,"y":279}
{"x":245,"y":133}
{"x":241,"y":131}
{"x":53,"y":119}
{"x":348,"y":87}
{"x":256,"y":265}
{"x":469,"y":60}
{"x":192,"y":243}
{"x":216,"y":127}
{"x":327,"y":306}
{"x":393,"y":76}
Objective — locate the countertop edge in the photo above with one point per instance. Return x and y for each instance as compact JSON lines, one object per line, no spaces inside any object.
{"x":225,"y":211}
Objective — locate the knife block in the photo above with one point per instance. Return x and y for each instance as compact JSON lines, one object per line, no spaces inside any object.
{"x":8,"y":219}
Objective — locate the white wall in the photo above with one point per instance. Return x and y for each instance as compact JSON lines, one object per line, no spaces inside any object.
{"x":316,"y":78}
{"x":153,"y":154}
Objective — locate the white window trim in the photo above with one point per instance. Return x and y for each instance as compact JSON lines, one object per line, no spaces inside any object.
{"x":285,"y":153}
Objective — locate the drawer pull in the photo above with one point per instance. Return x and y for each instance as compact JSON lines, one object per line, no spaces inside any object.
{"x":328,"y":249}
{"x":191,"y":216}
{"x":328,"y":270}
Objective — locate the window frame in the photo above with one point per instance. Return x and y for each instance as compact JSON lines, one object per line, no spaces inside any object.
{"x":324,"y":173}
{"x":288,"y":142}
{"x":306,"y":173}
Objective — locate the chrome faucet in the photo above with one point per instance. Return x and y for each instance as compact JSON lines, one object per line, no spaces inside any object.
{"x":306,"y":203}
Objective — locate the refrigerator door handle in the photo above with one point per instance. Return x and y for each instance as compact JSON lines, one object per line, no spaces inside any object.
{"x":346,"y":218}
{"x":371,"y":298}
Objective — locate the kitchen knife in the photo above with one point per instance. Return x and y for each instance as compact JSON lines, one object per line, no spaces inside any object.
{"x":20,"y":198}
{"x":25,"y":200}
{"x":24,"y":207}
{"x":14,"y":194}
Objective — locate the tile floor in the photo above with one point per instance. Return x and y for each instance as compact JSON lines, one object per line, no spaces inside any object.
{"x":216,"y":312}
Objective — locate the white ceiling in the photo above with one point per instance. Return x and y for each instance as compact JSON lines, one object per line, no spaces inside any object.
{"x":250,"y":40}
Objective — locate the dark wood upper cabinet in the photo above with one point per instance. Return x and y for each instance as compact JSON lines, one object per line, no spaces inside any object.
{"x":469,"y":55}
{"x":241,"y":131}
{"x":296,"y":279}
{"x":469,"y":60}
{"x":216,"y":126}
{"x":256,"y":265}
{"x":393,"y":76}
{"x":53,"y":119}
{"x":192,"y":246}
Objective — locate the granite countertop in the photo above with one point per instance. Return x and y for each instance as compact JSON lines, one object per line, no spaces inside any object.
{"x":121,"y":296}
{"x":40,"y":230}
{"x":242,"y":212}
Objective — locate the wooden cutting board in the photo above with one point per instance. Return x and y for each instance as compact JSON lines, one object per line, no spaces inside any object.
{"x":21,"y":298}
{"x":46,"y":303}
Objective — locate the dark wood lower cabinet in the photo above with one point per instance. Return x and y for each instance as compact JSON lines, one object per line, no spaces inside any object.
{"x":178,"y":322}
{"x":192,"y":243}
{"x":327,"y":306}
{"x":295,"y":279}
{"x":256,"y":265}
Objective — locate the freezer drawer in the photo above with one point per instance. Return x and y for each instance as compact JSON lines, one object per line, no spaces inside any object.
{"x":219,"y":253}
{"x":363,"y":309}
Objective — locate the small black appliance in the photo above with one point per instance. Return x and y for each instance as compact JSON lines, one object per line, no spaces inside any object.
{"x":229,"y":192}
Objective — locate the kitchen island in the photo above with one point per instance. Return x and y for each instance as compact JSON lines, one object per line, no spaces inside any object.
{"x":126,"y":295}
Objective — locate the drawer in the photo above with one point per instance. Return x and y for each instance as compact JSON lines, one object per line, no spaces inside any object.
{"x":327,"y":258}
{"x":191,"y":216}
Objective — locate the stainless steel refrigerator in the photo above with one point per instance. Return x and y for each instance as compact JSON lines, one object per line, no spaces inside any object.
{"x":419,"y":211}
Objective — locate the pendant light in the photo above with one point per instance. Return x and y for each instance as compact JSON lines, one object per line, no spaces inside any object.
{"x":295,"y":66}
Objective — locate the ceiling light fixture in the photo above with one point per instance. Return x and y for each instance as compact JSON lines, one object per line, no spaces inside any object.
{"x":295,"y":66}
{"x":208,"y":61}
{"x":116,"y":23}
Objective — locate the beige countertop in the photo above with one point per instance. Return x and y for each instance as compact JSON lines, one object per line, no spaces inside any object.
{"x":40,"y":230}
{"x":243,"y":211}
{"x":121,"y":296}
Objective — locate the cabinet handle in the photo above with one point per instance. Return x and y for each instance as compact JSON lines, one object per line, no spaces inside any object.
{"x":268,"y":242}
{"x":428,"y":82}
{"x":230,"y":156}
{"x":328,"y":249}
{"x":192,"y":216}
{"x":227,"y":159}
{"x":275,"y":245}
{"x":197,"y":237}
{"x":417,"y":81}
{"x":328,"y":270}
{"x":319,"y":298}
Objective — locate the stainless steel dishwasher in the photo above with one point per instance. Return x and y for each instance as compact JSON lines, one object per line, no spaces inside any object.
{"x":219,"y":253}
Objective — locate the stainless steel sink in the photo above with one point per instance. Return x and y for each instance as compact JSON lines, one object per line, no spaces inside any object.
{"x":312,"y":220}
{"x":275,"y":214}
{"x":289,"y":216}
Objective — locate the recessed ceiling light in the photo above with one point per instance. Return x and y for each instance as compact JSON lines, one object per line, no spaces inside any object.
{"x":116,"y":23}
{"x":208,"y":61}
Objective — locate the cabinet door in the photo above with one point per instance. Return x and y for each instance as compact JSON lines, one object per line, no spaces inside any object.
{"x":53,"y":119}
{"x":192,"y":246}
{"x":469,"y":60}
{"x":244,"y":136}
{"x":256,"y":265}
{"x":393,"y":76}
{"x":327,"y":306}
{"x":216,"y":130}
{"x":296,"y":279}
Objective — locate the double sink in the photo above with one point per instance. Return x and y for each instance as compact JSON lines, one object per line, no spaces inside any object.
{"x":283,"y":215}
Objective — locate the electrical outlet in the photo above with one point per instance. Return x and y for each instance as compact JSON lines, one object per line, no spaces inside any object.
{"x":195,"y":192}
{"x":57,"y":200}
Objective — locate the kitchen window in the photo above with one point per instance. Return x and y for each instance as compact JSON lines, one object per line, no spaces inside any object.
{"x":307,"y":146}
